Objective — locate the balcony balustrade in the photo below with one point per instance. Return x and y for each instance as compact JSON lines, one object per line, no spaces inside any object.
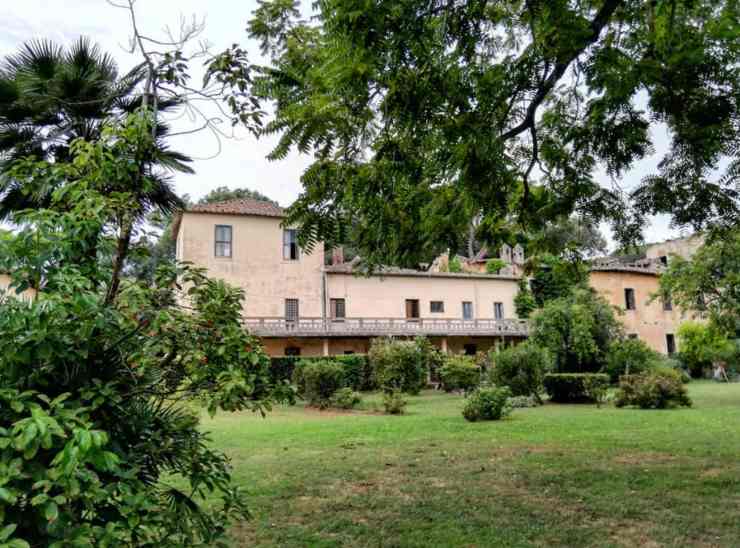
{"x":364,"y":327}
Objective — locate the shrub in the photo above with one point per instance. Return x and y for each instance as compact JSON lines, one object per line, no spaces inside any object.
{"x":357,"y":372}
{"x":394,"y":402}
{"x":659,"y":389}
{"x":432,"y":358}
{"x":700,"y":345}
{"x":282,"y":368}
{"x":521,"y":368}
{"x":459,"y":373}
{"x":489,"y":403}
{"x":319,"y":380}
{"x":455,"y":265}
{"x":573,"y":387}
{"x":524,"y":301}
{"x":494,"y":265}
{"x":577,"y":330}
{"x":517,"y":402}
{"x":398,"y":365}
{"x":629,"y":356}
{"x":345,"y":398}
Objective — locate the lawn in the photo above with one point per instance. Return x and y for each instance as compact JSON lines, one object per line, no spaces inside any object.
{"x":562,"y":475}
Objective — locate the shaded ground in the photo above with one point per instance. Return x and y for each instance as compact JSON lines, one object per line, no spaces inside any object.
{"x":557,"y":475}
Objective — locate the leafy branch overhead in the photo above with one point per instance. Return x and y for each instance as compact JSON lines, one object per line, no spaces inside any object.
{"x":422,"y":115}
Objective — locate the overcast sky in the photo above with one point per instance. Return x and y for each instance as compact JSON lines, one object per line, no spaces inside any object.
{"x":241,"y":162}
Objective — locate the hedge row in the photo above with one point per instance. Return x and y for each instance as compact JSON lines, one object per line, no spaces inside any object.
{"x":357,"y":372}
{"x":575,"y":387}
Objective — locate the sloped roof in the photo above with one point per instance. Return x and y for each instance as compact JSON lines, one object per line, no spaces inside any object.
{"x":242,"y":206}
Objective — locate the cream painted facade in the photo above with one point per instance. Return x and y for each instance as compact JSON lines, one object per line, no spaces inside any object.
{"x":373,"y":305}
{"x":5,"y":287}
{"x":384,"y":296}
{"x":649,"y":320}
{"x":256,"y":263}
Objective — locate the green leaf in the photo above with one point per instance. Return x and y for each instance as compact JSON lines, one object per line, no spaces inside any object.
{"x":51,"y":512}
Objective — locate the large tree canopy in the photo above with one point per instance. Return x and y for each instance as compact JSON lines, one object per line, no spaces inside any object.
{"x":422,"y":115}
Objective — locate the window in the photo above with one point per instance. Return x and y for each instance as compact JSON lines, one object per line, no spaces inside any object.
{"x":470,"y":349}
{"x":290,"y":244}
{"x":337,"y":309}
{"x":670,"y":343}
{"x":667,"y":303}
{"x":412,"y":308}
{"x":664,"y":260}
{"x":498,"y":311}
{"x":467,"y":310}
{"x":349,"y":352}
{"x":292,"y":351}
{"x":629,"y":298}
{"x":223,"y":241}
{"x":291,"y":309}
{"x":436,"y":306}
{"x":632,"y":335}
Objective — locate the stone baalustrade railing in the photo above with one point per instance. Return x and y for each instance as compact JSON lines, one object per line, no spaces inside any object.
{"x":374,"y":327}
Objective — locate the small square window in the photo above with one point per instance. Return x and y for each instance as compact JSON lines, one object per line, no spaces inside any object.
{"x":338,"y":310}
{"x":498,"y":311}
{"x":436,"y":306}
{"x":290,"y":244}
{"x":667,"y":303}
{"x":470,"y":349}
{"x":632,"y":336}
{"x":292,"y":351}
{"x":629,"y":298}
{"x":467,"y":310}
{"x":223,"y":241}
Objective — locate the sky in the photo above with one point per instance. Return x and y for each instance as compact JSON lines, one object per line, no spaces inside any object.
{"x":241,"y":161}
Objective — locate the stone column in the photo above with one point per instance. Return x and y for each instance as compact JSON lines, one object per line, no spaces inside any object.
{"x":326,"y":347}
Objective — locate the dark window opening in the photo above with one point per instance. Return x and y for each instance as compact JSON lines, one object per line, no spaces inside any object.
{"x":629,"y":298}
{"x":338,"y":310}
{"x":664,"y":260}
{"x":412,"y":309}
{"x":292,"y":351}
{"x":632,"y":335}
{"x":223,"y":241}
{"x":349,"y":352}
{"x":290,"y":244}
{"x":667,"y":303}
{"x":498,"y":311}
{"x":670,"y":343}
{"x":291,"y":310}
{"x":467,"y":310}
{"x":436,"y":306}
{"x":470,"y":349}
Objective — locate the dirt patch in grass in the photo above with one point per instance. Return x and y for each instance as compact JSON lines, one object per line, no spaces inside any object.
{"x":639,"y":459}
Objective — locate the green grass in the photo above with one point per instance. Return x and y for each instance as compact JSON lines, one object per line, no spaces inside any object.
{"x":561,"y":475}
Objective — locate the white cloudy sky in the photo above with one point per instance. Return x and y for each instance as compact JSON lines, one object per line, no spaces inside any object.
{"x":242,"y":161}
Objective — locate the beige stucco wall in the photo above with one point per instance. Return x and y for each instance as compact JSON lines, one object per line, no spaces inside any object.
{"x":649,"y":321}
{"x":683,"y":247}
{"x":385,"y":296}
{"x":256,"y":264}
{"x":5,"y":287}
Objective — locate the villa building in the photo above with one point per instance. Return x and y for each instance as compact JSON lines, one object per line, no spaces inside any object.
{"x":299,"y":305}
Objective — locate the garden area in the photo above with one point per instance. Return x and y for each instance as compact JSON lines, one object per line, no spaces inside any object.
{"x":558,"y":474}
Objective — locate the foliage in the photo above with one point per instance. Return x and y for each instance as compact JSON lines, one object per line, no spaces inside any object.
{"x":700,"y":345}
{"x":658,"y":389}
{"x":521,"y":402}
{"x":356,"y":367}
{"x":319,"y":380}
{"x":574,"y":387}
{"x":421,"y":117}
{"x":709,"y":283}
{"x":629,"y":356}
{"x":398,"y":365}
{"x":459,"y":373}
{"x":571,"y":238}
{"x":521,"y":368}
{"x":555,"y":278}
{"x":595,"y":389}
{"x":394,"y":402}
{"x":494,"y":265}
{"x":345,"y":398}
{"x":487,"y":403}
{"x":223,"y":194}
{"x":577,"y":330}
{"x":455,"y":265}
{"x":98,"y":373}
{"x":52,"y":96}
{"x":524,"y":301}
{"x":432,"y":357}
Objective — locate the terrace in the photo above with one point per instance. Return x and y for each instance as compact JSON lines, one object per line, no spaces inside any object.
{"x":373,"y":327}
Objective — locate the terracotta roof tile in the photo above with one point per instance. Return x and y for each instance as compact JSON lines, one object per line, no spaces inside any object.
{"x":244,"y":206}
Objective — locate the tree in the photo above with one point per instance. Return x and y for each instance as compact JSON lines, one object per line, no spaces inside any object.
{"x":708,"y":283}
{"x":524,"y":301}
{"x":50,"y":96}
{"x":573,"y":238}
{"x":99,"y":443}
{"x":421,"y":116}
{"x":554,"y":277}
{"x":577,"y":330}
{"x":700,"y":345}
{"x":222,"y":194}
